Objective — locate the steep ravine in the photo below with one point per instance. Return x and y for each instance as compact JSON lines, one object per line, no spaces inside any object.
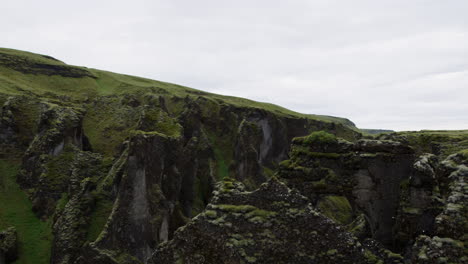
{"x":120,"y":169}
{"x":157,"y":181}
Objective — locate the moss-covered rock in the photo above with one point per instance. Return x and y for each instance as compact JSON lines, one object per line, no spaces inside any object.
{"x":438,"y":250}
{"x":271,"y":224}
{"x":8,"y":245}
{"x":346,"y":180}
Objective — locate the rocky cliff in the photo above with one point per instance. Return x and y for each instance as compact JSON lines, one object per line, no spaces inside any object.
{"x":98,"y":167}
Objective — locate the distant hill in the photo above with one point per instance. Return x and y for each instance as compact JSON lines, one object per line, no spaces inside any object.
{"x":375,"y":131}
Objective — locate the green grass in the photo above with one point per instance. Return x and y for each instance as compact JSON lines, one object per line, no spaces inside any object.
{"x":319,"y":137}
{"x":98,"y":219}
{"x":34,"y":235}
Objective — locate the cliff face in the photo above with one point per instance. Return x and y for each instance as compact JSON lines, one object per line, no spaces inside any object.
{"x":382,"y":190}
{"x":121,"y":169}
{"x":363,"y":177}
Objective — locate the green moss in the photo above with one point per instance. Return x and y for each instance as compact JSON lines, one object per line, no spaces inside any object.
{"x":34,"y":235}
{"x":235,"y":208}
{"x":249,"y":212}
{"x":108,"y":123}
{"x":26,"y":114}
{"x":157,"y":120}
{"x":371,"y":258}
{"x":58,"y":167}
{"x":202,"y":189}
{"x":299,"y":150}
{"x":223,"y":152}
{"x":336,"y":208}
{"x":319,"y":185}
{"x":448,"y":141}
{"x":287,"y":163}
{"x":268,"y":172}
{"x":410,"y":210}
{"x":295,"y":212}
{"x":239,"y":241}
{"x":260,"y":213}
{"x":317,"y":137}
{"x":358,"y":226}
{"x":62,"y":202}
{"x":98,"y":219}
{"x":210,"y":213}
{"x":464,"y":153}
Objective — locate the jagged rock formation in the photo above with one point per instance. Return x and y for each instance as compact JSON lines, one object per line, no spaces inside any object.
{"x":446,"y":243}
{"x":379,"y":189}
{"x":346,"y":179}
{"x":273,"y":224}
{"x":119,"y":166}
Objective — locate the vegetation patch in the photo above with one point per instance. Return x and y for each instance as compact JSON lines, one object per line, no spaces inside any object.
{"x":321,"y":137}
{"x":58,"y":167}
{"x":99,"y":216}
{"x":34,"y":235}
{"x":336,"y":208}
{"x":302,"y":150}
{"x":223,"y":153}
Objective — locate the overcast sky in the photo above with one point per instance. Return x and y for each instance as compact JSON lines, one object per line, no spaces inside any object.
{"x":394,"y":64}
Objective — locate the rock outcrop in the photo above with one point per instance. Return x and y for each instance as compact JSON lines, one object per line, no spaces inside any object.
{"x":446,"y":243}
{"x":273,"y":224}
{"x":380,"y":189}
{"x":346,"y":180}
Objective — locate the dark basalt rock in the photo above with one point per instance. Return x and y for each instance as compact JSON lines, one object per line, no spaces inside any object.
{"x":71,"y":221}
{"x":412,"y":205}
{"x":8,"y":245}
{"x":154,"y":194}
{"x":364,"y":176}
{"x":382,"y":146}
{"x":147,"y":197}
{"x":247,"y":153}
{"x":420,"y":201}
{"x":8,"y":129}
{"x":273,"y":224}
{"x":46,"y":163}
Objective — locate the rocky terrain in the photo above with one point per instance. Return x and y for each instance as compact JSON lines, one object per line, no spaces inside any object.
{"x":98,"y":167}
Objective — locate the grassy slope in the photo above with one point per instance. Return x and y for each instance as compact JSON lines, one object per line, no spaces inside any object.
{"x":108,"y":83}
{"x":450,"y":141}
{"x":15,"y":210}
